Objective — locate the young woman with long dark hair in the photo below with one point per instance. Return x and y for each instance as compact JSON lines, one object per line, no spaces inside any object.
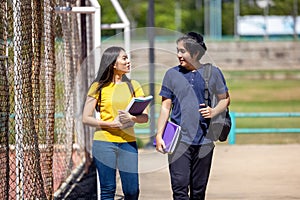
{"x":114,"y":147}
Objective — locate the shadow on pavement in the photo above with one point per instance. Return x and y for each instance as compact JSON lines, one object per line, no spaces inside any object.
{"x":83,"y":189}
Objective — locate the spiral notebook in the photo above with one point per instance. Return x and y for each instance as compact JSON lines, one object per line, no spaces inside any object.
{"x":170,"y":136}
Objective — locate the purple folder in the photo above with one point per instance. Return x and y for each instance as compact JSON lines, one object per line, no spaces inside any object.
{"x":170,"y":136}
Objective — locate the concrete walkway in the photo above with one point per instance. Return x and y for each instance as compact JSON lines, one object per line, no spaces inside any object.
{"x":258,"y":172}
{"x":241,"y":172}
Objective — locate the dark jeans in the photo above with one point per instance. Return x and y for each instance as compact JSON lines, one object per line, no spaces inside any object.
{"x":108,"y":158}
{"x":189,"y":170}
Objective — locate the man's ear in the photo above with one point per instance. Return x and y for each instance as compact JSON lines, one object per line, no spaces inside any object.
{"x":195,"y":54}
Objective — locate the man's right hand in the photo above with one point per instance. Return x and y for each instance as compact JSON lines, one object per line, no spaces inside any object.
{"x":160,"y":145}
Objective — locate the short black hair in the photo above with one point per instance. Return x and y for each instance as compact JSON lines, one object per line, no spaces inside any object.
{"x":194,"y":43}
{"x":198,"y":37}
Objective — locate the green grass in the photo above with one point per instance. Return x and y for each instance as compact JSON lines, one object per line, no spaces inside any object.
{"x":268,"y":122}
{"x":265,"y":95}
{"x":284,"y":138}
{"x":252,"y":94}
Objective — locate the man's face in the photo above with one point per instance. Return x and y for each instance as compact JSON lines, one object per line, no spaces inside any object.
{"x":185,"y":58}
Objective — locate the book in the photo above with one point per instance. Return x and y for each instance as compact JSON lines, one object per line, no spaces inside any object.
{"x":170,"y":136}
{"x":138,"y":104}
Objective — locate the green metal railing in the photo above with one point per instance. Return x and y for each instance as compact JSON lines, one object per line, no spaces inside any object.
{"x":234,"y":130}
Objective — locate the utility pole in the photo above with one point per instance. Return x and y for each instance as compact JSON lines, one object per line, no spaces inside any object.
{"x":264,"y":4}
{"x":295,"y":14}
{"x":236,"y":15}
{"x":151,"y":36}
{"x":213,"y":18}
{"x":178,"y":15}
{"x":206,"y":18}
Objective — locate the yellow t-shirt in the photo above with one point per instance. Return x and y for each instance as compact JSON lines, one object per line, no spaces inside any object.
{"x":114,"y":97}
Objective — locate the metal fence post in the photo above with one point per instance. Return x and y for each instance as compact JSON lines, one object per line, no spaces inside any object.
{"x":231,"y":138}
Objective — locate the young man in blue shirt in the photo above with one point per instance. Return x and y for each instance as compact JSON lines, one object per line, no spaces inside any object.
{"x":183,"y":101}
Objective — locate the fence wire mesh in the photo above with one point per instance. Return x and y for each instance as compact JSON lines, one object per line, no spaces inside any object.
{"x":4,"y":107}
{"x":42,"y":140}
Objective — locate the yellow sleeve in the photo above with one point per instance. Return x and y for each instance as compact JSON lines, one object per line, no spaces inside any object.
{"x":93,"y":90}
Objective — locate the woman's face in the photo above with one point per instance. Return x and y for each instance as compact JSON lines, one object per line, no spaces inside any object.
{"x":122,"y":64}
{"x":185,"y":58}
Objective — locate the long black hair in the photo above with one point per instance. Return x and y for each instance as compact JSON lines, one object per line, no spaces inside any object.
{"x":106,"y":69}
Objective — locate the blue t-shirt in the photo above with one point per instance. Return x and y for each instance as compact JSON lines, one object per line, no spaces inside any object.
{"x":186,"y":90}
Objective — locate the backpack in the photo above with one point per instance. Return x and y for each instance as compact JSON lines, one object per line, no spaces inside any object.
{"x":220,"y":125}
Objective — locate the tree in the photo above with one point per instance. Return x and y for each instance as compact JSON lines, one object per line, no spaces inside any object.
{"x":192,"y":13}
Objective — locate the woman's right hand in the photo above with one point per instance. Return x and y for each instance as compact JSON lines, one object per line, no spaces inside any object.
{"x":115,"y":124}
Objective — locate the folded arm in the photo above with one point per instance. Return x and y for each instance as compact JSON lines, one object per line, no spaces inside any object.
{"x":125,"y":117}
{"x":89,"y":118}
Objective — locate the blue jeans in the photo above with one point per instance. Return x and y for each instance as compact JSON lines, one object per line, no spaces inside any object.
{"x":109,"y":157}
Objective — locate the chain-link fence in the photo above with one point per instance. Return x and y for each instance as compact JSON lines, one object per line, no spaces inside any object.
{"x":42,"y":140}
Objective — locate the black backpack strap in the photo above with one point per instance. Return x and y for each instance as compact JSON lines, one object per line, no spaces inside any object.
{"x":206,"y":76}
{"x":130,"y":86}
{"x":97,"y":107}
